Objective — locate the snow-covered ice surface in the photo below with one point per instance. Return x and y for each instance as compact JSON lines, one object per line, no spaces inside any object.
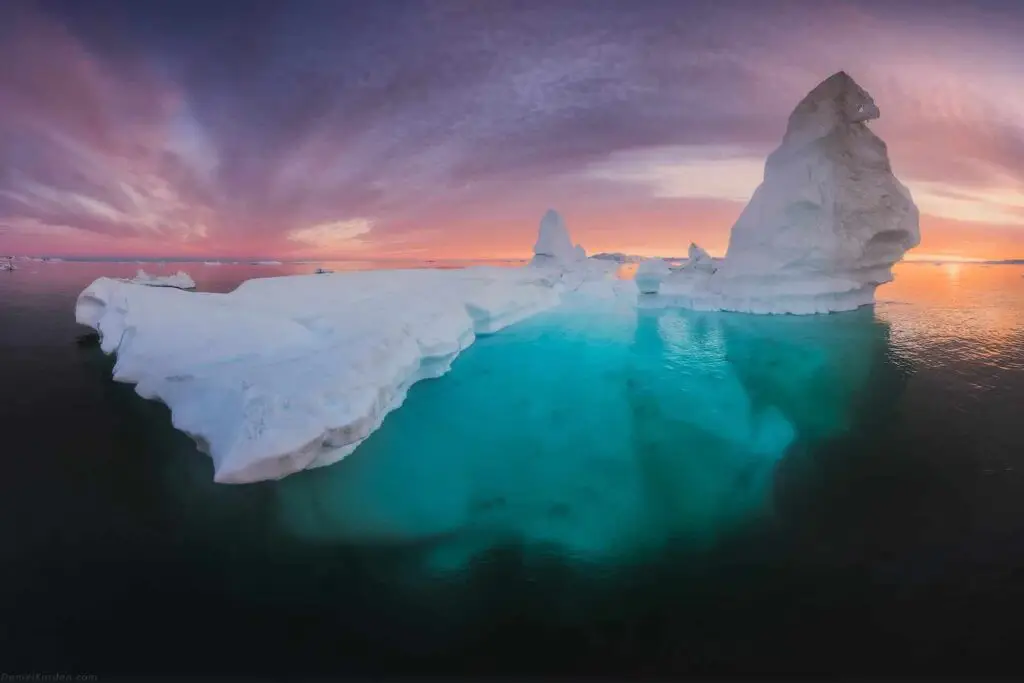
{"x":179,"y":280}
{"x":290,"y":373}
{"x":824,"y":228}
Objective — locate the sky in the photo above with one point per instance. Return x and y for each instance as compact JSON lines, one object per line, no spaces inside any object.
{"x":445,"y":128}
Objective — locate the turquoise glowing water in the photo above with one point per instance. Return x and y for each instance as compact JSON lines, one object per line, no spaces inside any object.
{"x":598,"y":436}
{"x":598,"y":488}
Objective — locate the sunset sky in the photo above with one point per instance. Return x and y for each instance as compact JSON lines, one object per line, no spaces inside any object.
{"x":445,"y":128}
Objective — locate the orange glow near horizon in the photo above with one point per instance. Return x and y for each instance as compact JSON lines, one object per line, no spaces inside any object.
{"x":941,"y":240}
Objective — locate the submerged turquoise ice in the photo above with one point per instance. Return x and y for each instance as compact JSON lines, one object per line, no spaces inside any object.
{"x":595,"y":432}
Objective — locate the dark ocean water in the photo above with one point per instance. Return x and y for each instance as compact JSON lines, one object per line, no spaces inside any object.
{"x":601,"y":491}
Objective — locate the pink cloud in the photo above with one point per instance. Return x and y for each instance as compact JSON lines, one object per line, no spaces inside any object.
{"x":110,"y":155}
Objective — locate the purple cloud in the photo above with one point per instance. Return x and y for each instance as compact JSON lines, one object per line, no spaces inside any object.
{"x":229,"y":123}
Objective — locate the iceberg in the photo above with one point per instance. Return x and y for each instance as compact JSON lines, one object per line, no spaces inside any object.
{"x":566,"y":264}
{"x":553,"y":245}
{"x":180,"y":280}
{"x":823,"y":229}
{"x":288,"y":373}
{"x":650,"y":273}
{"x":618,"y":257}
{"x":699,"y":260}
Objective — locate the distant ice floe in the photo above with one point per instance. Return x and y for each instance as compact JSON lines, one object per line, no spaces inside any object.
{"x":179,"y":280}
{"x":618,"y":257}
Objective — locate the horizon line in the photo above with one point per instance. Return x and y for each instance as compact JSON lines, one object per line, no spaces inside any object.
{"x":256,"y":260}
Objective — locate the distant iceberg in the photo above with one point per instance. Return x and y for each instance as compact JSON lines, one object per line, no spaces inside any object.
{"x":618,"y":257}
{"x":698,"y":261}
{"x":553,"y":245}
{"x":289,"y":373}
{"x":180,"y":280}
{"x":213,"y":263}
{"x":650,"y":274}
{"x":565,"y":263}
{"x":266,"y":263}
{"x":823,"y":230}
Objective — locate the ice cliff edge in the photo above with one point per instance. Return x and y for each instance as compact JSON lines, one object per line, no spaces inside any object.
{"x":290,"y":373}
{"x":825,"y":226}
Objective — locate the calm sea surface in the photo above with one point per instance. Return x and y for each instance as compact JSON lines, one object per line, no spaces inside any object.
{"x":598,"y":489}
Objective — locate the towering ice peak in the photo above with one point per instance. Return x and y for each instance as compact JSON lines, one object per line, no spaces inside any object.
{"x":829,"y":206}
{"x":696,"y":253}
{"x":837,"y":102}
{"x":563,"y":264}
{"x":826,"y":225}
{"x":553,"y":240}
